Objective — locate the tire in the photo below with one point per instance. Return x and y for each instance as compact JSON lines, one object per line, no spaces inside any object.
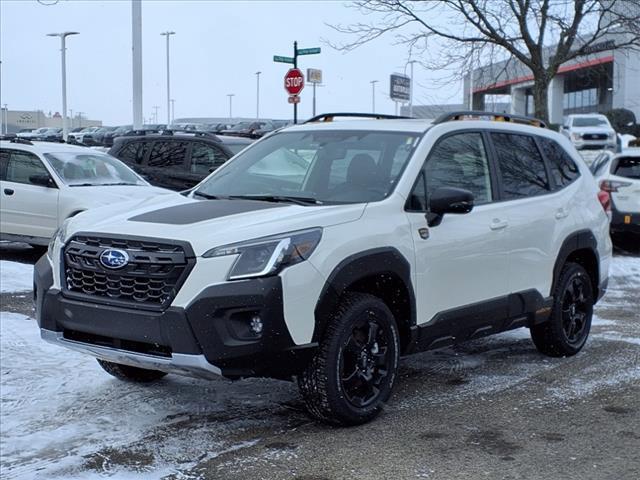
{"x":566,"y":331}
{"x":352,"y":375}
{"x":129,"y":373}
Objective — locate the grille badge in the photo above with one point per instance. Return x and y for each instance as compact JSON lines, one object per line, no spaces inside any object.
{"x":114,"y":259}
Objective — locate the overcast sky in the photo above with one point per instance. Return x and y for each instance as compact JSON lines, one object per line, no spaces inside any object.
{"x":218,"y":47}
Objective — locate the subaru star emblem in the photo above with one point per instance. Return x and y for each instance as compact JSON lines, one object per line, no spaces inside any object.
{"x":113,"y":258}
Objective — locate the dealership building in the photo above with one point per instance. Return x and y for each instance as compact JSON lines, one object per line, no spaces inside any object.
{"x":596,"y":82}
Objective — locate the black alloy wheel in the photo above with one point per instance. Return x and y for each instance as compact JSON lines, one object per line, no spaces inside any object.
{"x":566,"y":331}
{"x":352,"y":375}
{"x":364,"y":362}
{"x":575,"y":310}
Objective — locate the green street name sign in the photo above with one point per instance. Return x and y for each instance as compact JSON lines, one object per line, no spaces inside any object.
{"x":309,"y":51}
{"x":278,"y":58}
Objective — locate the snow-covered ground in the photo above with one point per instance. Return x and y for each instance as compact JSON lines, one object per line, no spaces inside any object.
{"x":15,"y":277}
{"x":62,"y":417}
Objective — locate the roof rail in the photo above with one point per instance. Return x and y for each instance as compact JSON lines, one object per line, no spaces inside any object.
{"x":24,"y":141}
{"x":328,"y":117}
{"x":495,"y":116}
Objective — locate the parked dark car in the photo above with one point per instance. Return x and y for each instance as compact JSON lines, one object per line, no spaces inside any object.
{"x":97,"y":137}
{"x":177,"y":161}
{"x":107,"y":140}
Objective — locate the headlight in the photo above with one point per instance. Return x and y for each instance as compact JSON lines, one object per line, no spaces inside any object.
{"x":268,"y":255}
{"x":59,"y":236}
{"x":612,"y":136}
{"x":576,"y":136}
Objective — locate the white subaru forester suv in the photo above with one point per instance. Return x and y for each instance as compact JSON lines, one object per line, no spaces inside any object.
{"x":326,"y":251}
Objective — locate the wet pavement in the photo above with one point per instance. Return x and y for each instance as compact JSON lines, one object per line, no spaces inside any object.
{"x":493,"y":408}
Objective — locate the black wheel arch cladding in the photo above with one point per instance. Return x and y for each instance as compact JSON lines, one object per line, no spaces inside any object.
{"x":580,"y":247}
{"x":383,"y":272}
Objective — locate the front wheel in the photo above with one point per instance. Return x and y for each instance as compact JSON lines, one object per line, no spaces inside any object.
{"x":352,"y":375}
{"x":129,"y":373}
{"x":566,"y":331}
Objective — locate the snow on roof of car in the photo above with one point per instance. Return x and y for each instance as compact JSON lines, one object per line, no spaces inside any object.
{"x":45,"y":147}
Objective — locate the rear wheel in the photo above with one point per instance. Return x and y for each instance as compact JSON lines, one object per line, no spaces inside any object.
{"x":567,"y":330}
{"x":352,"y":375}
{"x":129,"y":373}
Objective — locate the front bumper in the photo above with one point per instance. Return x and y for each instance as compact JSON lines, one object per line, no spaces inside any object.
{"x":210,"y":336}
{"x":594,"y":144}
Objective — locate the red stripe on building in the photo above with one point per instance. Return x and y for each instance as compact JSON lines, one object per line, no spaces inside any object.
{"x":565,"y":69}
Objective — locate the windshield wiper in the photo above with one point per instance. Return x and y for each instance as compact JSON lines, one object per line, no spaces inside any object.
{"x":209,"y":197}
{"x":280,"y":198}
{"x":100,"y":184}
{"x":119,"y":183}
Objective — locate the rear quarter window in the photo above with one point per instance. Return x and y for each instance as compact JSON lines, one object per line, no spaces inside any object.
{"x":563,"y":168}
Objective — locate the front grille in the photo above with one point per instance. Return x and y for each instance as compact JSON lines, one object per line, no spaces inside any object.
{"x":594,"y":136}
{"x":151,"y":278}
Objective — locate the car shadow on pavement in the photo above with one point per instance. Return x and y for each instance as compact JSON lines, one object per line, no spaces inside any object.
{"x":21,"y":252}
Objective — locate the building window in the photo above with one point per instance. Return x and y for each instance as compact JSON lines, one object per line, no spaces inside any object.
{"x":580,"y":99}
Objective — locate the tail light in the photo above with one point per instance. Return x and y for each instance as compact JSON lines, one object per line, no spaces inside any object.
{"x":605,"y":200}
{"x":611,"y":186}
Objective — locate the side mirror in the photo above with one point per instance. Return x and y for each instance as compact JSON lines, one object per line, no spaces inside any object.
{"x":42,"y":180}
{"x":448,"y":200}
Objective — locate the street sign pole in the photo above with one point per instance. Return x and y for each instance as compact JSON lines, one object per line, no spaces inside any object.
{"x":314,"y":99}
{"x":295,"y":65}
{"x":294,"y":60}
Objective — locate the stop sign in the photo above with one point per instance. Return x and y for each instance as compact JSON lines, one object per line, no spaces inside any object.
{"x":294,"y":81}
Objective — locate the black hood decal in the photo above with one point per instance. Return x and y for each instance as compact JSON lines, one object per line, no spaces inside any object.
{"x":202,"y":210}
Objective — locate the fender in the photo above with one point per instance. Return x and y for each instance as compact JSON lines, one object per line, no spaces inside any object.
{"x":580,"y":240}
{"x":377,"y":261}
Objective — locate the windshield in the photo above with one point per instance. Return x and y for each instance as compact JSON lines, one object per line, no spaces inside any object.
{"x":325,"y":166}
{"x":589,"y":122}
{"x":90,"y":169}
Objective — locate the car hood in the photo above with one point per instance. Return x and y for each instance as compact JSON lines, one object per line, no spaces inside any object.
{"x":208,"y":223}
{"x":109,"y":194}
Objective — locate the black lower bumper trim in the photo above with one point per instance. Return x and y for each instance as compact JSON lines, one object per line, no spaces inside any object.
{"x":217,"y":325}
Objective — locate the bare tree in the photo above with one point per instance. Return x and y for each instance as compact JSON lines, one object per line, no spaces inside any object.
{"x":538,"y":35}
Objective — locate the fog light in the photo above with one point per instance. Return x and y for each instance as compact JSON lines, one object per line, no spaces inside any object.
{"x":256,"y":325}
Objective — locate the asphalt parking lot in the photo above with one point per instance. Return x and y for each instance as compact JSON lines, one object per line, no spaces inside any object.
{"x":493,"y":408}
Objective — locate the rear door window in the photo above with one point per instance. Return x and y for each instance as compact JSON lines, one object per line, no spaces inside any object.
{"x":563,"y":168}
{"x":628,"y":167}
{"x":522,"y":168}
{"x":168,"y":154}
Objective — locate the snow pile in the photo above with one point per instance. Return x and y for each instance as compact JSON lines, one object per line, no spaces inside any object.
{"x":15,"y":277}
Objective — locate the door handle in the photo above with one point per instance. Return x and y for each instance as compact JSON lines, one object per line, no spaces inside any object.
{"x":497,"y":224}
{"x":561,"y":213}
{"x":8,"y":191}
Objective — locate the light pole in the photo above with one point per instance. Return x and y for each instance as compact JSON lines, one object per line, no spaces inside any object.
{"x":373,"y":95}
{"x":173,"y":110}
{"x":411,"y":88}
{"x":136,"y":63}
{"x":155,"y":113}
{"x":258,"y":95}
{"x":63,"y":49}
{"x":231,"y":95}
{"x":168,"y":34}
